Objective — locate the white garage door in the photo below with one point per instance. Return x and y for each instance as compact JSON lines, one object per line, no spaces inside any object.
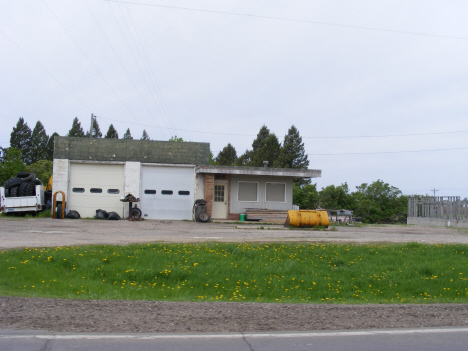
{"x":167,"y":192}
{"x":96,"y":186}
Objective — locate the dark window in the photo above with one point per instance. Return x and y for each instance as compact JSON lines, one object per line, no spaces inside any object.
{"x":150,"y":192}
{"x":220,"y":176}
{"x":95,"y":190}
{"x":78,"y":190}
{"x":113,"y":191}
{"x":184,"y":192}
{"x":166,"y":192}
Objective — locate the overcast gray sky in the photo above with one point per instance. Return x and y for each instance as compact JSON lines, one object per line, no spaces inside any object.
{"x":369,"y":84}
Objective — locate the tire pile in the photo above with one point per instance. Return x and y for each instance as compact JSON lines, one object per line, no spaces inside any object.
{"x":24,"y":184}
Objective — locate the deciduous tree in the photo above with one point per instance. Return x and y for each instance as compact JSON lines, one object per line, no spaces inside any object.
{"x":11,"y":164}
{"x":42,"y":169}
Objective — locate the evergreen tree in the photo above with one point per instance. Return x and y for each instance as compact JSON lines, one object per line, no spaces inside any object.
{"x":265,"y":147}
{"x":227,"y":156}
{"x":50,"y":147}
{"x":96,"y":130}
{"x":39,"y":141}
{"x":20,"y":138}
{"x":292,"y":154}
{"x":112,"y":133}
{"x":262,"y":135}
{"x":76,"y":129}
{"x":127,"y":134}
{"x":145,"y":136}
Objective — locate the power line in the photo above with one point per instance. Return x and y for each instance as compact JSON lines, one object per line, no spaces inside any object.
{"x":164,"y":109}
{"x":388,"y":152}
{"x":304,"y":137}
{"x":89,"y":60}
{"x":383,"y":136}
{"x":46,"y":71}
{"x":138,"y":65}
{"x":291,"y":20}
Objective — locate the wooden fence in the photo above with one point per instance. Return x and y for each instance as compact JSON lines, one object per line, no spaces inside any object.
{"x":444,"y":207}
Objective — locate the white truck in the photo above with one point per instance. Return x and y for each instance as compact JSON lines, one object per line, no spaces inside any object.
{"x":22,"y":197}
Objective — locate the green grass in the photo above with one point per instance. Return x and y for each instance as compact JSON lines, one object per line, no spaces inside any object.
{"x":411,"y":273}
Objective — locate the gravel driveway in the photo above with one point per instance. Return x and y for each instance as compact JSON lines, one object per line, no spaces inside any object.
{"x":158,"y":316}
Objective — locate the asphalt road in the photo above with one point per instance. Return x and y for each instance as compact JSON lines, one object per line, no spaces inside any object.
{"x":447,"y":339}
{"x":17,"y":233}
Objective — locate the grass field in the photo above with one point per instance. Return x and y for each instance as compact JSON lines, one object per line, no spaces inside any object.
{"x":411,"y":273}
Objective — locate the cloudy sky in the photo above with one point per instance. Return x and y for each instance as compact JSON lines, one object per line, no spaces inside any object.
{"x":377,"y":89}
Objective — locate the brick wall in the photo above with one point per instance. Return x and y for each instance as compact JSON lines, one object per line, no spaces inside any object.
{"x":208,"y":193}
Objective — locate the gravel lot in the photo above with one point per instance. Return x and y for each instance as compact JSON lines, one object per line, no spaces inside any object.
{"x":157,"y":316}
{"x":49,"y":232}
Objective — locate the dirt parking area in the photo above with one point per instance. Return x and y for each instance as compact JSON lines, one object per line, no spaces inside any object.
{"x":17,"y":233}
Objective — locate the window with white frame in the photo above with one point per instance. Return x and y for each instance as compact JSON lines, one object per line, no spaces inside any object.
{"x":275,"y":192}
{"x":247,"y":191}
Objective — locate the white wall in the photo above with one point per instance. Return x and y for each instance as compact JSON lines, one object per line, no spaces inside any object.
{"x":199,"y":186}
{"x":60,"y":181}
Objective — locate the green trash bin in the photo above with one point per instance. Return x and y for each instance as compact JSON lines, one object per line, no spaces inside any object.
{"x":242,"y":217}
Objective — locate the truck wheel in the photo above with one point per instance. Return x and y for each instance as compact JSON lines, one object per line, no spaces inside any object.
{"x":14,"y":191}
{"x":30,"y":189}
{"x":23,"y":174}
{"x":12,"y":182}
{"x":203,"y":217}
{"x":23,"y":188}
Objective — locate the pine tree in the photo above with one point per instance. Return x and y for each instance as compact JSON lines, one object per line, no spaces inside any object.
{"x":50,"y":147}
{"x":265,"y":147}
{"x":292,"y":154}
{"x":112,"y":133}
{"x":20,"y":138}
{"x":145,"y":136}
{"x":76,"y":129}
{"x":227,"y":156}
{"x":262,"y":135}
{"x":39,"y":141}
{"x":96,"y":130}
{"x":127,"y":134}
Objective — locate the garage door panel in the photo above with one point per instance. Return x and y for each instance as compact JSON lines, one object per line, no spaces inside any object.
{"x":95,"y":176}
{"x":177,"y":206}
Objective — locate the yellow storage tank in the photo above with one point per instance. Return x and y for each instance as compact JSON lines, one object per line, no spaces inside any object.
{"x":307,"y":218}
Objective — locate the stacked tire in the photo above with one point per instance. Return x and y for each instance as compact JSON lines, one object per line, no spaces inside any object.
{"x":24,"y":184}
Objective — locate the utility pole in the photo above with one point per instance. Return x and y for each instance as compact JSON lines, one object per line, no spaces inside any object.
{"x":434,"y":190}
{"x":91,"y":128}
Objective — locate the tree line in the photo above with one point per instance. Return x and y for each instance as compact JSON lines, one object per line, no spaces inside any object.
{"x":33,"y":150}
{"x":377,"y":202}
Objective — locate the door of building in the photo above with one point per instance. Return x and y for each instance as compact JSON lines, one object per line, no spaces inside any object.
{"x":220,"y":200}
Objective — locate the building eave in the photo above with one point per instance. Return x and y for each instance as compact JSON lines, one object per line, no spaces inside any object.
{"x":261,"y":171}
